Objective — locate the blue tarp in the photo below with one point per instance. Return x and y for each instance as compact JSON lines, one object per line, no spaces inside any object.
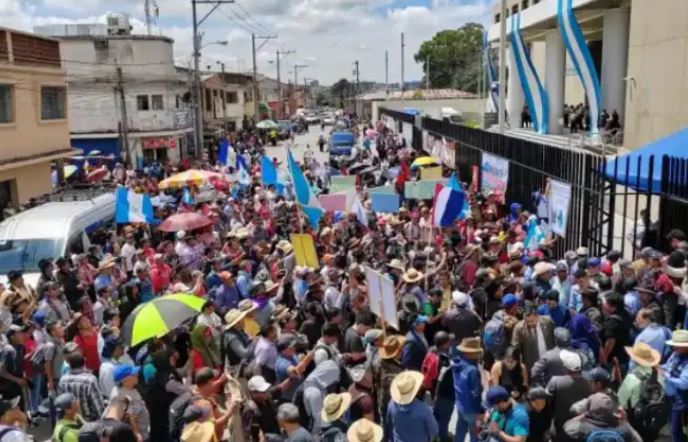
{"x":674,"y":145}
{"x":411,"y":111}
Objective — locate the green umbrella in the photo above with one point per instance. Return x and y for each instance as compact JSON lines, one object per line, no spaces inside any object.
{"x":158,"y":317}
{"x":267,"y":124}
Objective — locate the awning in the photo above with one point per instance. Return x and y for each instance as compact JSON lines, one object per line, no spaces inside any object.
{"x":674,"y":145}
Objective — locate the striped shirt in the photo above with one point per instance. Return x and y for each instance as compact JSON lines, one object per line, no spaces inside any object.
{"x":84,"y":386}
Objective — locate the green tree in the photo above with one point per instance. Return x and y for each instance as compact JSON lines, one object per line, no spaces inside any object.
{"x":454,"y":56}
{"x":340,"y":91}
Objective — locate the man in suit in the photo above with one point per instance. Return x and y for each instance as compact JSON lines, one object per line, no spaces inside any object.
{"x":533,"y":335}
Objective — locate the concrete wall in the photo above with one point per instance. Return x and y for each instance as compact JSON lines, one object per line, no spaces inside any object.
{"x":431,"y":107}
{"x":28,"y":135}
{"x":29,"y":182}
{"x":657,"y":89}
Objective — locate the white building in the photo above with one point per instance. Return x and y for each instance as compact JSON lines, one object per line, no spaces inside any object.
{"x":106,"y":66}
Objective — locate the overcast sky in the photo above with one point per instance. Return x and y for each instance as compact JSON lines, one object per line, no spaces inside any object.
{"x":328,"y":35}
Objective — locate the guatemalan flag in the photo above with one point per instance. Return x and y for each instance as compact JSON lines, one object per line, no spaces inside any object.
{"x":244,"y":175}
{"x":310,"y":205}
{"x":226,"y":155}
{"x":131,"y":207}
{"x":268,"y":174}
{"x":449,"y":205}
{"x":454,"y":184}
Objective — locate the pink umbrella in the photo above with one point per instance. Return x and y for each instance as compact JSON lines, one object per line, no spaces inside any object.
{"x":96,"y":175}
{"x":371,"y":133}
{"x":184,"y":221}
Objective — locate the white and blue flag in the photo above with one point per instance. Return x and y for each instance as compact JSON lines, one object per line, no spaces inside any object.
{"x":244,"y":175}
{"x":132,"y":207}
{"x":310,"y":205}
{"x":534,"y":233}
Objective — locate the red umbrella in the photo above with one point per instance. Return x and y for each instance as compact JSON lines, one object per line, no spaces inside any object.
{"x":96,"y":175}
{"x":184,"y":221}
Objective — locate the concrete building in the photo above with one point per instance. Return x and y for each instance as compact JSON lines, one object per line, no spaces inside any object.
{"x":34,"y":129}
{"x":427,"y":102}
{"x":625,"y":55}
{"x":111,"y":72}
{"x":224,"y":98}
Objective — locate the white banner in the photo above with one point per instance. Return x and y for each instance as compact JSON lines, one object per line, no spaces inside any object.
{"x":381,"y":297}
{"x":495,"y":173}
{"x":559,"y":202}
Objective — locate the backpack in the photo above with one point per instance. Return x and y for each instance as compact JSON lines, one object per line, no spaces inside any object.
{"x":652,"y":410}
{"x":91,"y":431}
{"x":604,"y":436}
{"x":176,"y":414}
{"x":494,"y":336}
{"x":65,"y":428}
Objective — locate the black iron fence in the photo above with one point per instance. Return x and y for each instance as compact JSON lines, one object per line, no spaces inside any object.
{"x":623,"y":204}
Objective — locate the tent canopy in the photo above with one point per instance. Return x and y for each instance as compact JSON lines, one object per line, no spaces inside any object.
{"x":674,"y":145}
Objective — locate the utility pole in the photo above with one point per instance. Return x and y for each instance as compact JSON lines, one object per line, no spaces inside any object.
{"x":296,"y":79}
{"x":358,"y":86}
{"x":427,"y":73}
{"x":502,"y":68}
{"x":386,"y":72}
{"x":403,"y":86}
{"x":224,"y":99}
{"x":198,"y":98}
{"x":279,"y":81}
{"x":125,"y":122}
{"x":255,"y":71}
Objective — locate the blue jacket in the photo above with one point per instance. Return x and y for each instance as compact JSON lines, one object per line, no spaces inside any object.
{"x":468,"y":387}
{"x":414,"y":422}
{"x":414,"y":351}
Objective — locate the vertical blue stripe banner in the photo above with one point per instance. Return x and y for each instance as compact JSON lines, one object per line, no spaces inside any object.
{"x":578,"y":50}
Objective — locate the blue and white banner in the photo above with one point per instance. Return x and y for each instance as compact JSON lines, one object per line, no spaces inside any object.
{"x":536,"y":96}
{"x":226,"y":155}
{"x":559,"y":202}
{"x":578,"y":50}
{"x":131,"y":207}
{"x":310,"y":205}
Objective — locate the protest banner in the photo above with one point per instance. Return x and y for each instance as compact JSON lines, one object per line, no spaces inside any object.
{"x":304,"y":250}
{"x":423,"y":190}
{"x":333,"y":202}
{"x":431,"y":173}
{"x":385,"y":202}
{"x":382,"y":189}
{"x":495,"y":173}
{"x":381,"y":297}
{"x":559,"y":202}
{"x":342,"y":182}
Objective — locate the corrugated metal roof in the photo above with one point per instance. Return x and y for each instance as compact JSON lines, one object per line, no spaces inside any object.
{"x":418,"y":94}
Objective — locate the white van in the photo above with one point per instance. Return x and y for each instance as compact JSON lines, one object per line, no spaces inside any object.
{"x":49,"y":231}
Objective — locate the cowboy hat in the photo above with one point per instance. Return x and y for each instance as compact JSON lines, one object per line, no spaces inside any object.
{"x":644,"y":355}
{"x":543,"y":267}
{"x":364,"y":430}
{"x":199,"y":432}
{"x":284,"y":246}
{"x":334,"y":406}
{"x":470,"y":345}
{"x":242,"y":233}
{"x":247,"y":306}
{"x":679,"y":338}
{"x":405,"y":386}
{"x":412,"y":276}
{"x":233,"y":316}
{"x":391,"y":347}
{"x":676,"y":265}
{"x":396,"y":264}
{"x":107,"y":263}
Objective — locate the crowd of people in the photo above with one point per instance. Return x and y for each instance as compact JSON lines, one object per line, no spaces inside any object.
{"x":496,"y":341}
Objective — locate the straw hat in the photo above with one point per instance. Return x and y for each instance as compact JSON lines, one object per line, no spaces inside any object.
{"x":643,"y":354}
{"x":284,"y":246}
{"x":543,"y":267}
{"x":199,"y":432}
{"x":396,"y":264}
{"x":405,"y":386}
{"x":246,"y":306}
{"x":679,"y":338}
{"x":364,"y":430}
{"x":233,"y":316}
{"x":412,"y":276}
{"x":107,"y":263}
{"x":391,"y":346}
{"x":470,"y":345}
{"x":243,"y":233}
{"x":334,"y":406}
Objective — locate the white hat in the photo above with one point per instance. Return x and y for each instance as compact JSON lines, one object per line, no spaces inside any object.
{"x":181,"y":234}
{"x":259,"y":384}
{"x":570,"y":360}
{"x":460,"y":298}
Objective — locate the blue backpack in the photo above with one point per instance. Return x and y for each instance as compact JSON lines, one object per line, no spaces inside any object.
{"x":494,"y":337}
{"x":604,"y":436}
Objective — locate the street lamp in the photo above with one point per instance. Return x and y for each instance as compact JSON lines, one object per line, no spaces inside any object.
{"x":219,"y":43}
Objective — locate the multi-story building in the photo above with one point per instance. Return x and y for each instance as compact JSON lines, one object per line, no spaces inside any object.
{"x":628,"y":56}
{"x":34,"y":129}
{"x":113,"y":73}
{"x":224,"y":98}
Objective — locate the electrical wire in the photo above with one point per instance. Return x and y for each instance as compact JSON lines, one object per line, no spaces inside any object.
{"x":260,"y":25}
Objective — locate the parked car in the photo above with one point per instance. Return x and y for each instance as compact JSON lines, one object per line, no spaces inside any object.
{"x":284,"y":131}
{"x":312,"y":119}
{"x":328,"y":120}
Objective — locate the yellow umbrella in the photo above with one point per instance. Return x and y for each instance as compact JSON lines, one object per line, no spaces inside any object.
{"x":423,"y":161}
{"x":191,"y":177}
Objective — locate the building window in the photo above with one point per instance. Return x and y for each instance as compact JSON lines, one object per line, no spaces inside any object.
{"x":156,"y":101}
{"x":53,"y":102}
{"x":142,"y":103}
{"x":514,"y":9}
{"x":232,"y":97}
{"x":524,"y":5}
{"x":177,"y":102}
{"x":208,"y":101}
{"x":6,"y":104}
{"x":497,"y":18}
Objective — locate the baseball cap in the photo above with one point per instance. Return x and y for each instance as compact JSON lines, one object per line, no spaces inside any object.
{"x":594,"y":262}
{"x":420,"y":319}
{"x":258,"y":384}
{"x":570,"y":360}
{"x":460,"y":298}
{"x":597,"y":374}
{"x":495,"y":395}
{"x":285,"y":342}
{"x":122,"y":371}
{"x":509,"y":300}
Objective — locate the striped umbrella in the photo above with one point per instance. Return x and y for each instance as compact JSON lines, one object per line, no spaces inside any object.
{"x":184,"y":221}
{"x":191,"y":177}
{"x":160,"y":316}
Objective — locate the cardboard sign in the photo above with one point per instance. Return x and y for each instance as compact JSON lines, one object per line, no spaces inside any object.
{"x":334,"y":202}
{"x":340,"y":183}
{"x":304,"y":250}
{"x":382,"y":189}
{"x":423,"y":190}
{"x":559,"y":202}
{"x":431,"y":173}
{"x":495,"y":173}
{"x":385,"y":202}
{"x":381,"y":297}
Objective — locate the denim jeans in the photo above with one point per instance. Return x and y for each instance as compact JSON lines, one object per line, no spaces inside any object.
{"x":465,"y":423}
{"x":444,"y":407}
{"x":677,"y":426}
{"x":35,"y":392}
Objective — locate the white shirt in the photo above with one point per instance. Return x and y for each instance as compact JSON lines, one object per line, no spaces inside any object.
{"x":106,"y":377}
{"x":128,"y":253}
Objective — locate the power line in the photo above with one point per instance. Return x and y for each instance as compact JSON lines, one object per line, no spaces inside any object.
{"x":248,"y":14}
{"x":245,"y":25}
